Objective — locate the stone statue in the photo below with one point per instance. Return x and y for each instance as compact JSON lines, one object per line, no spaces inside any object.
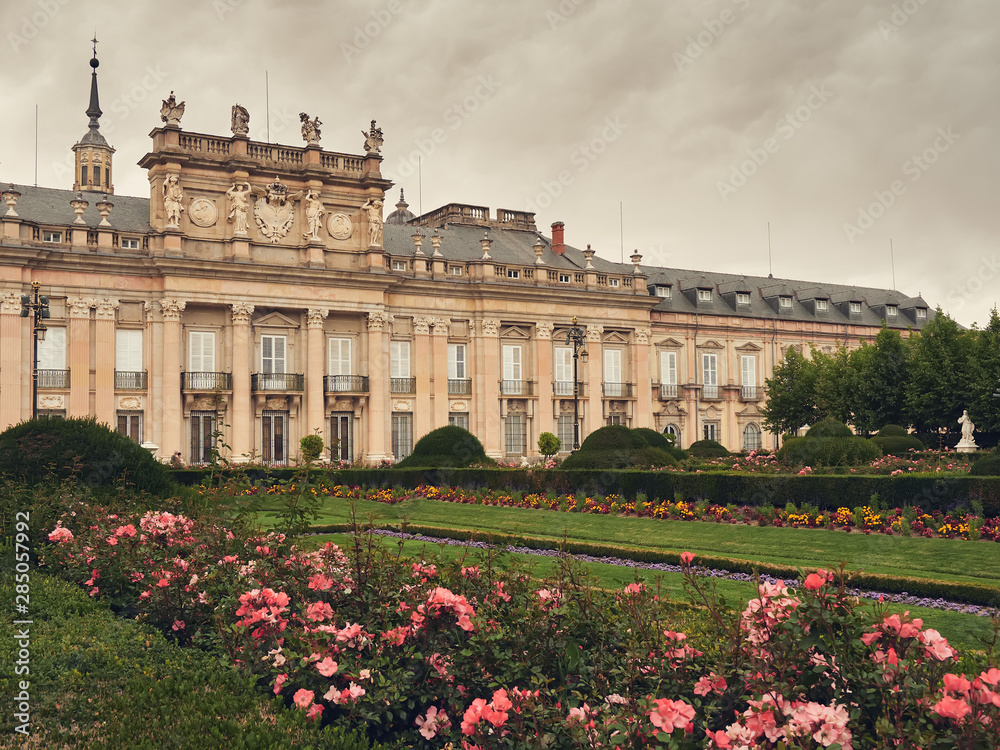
{"x":274,"y":209}
{"x":314,"y":215}
{"x":373,"y":139}
{"x":310,"y":129}
{"x":171,"y":112}
{"x":239,"y":197}
{"x":967,"y":444}
{"x":374,"y":208}
{"x":173,"y":196}
{"x":241,"y":120}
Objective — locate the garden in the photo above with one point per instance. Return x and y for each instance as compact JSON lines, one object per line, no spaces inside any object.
{"x":431,"y":606}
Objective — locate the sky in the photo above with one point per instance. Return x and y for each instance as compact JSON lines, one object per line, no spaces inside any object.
{"x":836,"y":141}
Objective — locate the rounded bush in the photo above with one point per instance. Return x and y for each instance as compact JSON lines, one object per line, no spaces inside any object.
{"x":707,"y":449}
{"x":893,"y":430}
{"x":658,"y":440}
{"x":829,"y":428}
{"x":843,"y":451}
{"x":614,"y":437}
{"x":80,"y":448}
{"x":446,"y":447}
{"x":987,"y":466}
{"x":652,"y":458}
{"x":892,"y":445}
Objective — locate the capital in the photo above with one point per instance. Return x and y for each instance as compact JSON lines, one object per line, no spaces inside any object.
{"x":172,"y":309}
{"x":442,"y":326}
{"x":642,"y":335}
{"x":489,"y":328}
{"x":79,"y":307}
{"x":543,"y":330}
{"x":106,"y":307}
{"x":421,"y":325}
{"x":315,"y":317}
{"x":241,"y":313}
{"x":377,"y":320}
{"x":594,"y":333}
{"x":10,"y":304}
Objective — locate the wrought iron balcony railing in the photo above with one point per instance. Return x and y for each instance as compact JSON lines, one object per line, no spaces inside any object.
{"x":402,"y":385}
{"x":618,"y":390}
{"x":564,"y":387}
{"x":668,"y":391}
{"x":459,"y":386}
{"x":710,"y":391}
{"x":206,"y":381}
{"x":53,"y":378}
{"x":750,"y":393}
{"x":277,"y":381}
{"x":517,"y":387}
{"x":345,"y":384}
{"x":130,"y":381}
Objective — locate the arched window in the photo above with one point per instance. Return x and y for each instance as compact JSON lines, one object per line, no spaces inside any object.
{"x":751,"y":437}
{"x":673,"y":430}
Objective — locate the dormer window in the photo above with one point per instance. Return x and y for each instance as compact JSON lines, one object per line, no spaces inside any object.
{"x":564,"y":278}
{"x":922,"y":313}
{"x":51,"y":236}
{"x":513,"y":273}
{"x":890,"y":311}
{"x":822,"y":305}
{"x":855,"y":308}
{"x":663,"y":291}
{"x":742,"y":298}
{"x":785,"y":302}
{"x":704,"y":295}
{"x":399,"y":265}
{"x":613,"y":282}
{"x":130,"y":243}
{"x":455,"y":270}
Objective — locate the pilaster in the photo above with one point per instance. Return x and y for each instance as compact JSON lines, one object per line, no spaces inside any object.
{"x":422,"y":372}
{"x":489,"y":386}
{"x":104,"y":365}
{"x":595,"y":384}
{"x":172,"y":415}
{"x":439,"y":347}
{"x":543,"y":376}
{"x":242,"y":441}
{"x":314,"y":371}
{"x":10,"y":360}
{"x":378,"y":415}
{"x":79,"y":355}
{"x":643,"y":416}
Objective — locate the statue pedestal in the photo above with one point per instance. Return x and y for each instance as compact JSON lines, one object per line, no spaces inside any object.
{"x":239,"y":248}
{"x":966,"y":446}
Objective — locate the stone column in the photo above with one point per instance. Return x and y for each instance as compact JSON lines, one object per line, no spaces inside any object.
{"x":643,"y":383}
{"x":104,"y":351}
{"x":10,"y":360}
{"x":595,"y":384}
{"x":439,"y":347}
{"x":379,"y":426}
{"x":241,"y":416}
{"x":172,"y":416}
{"x":488,"y":386}
{"x":543,"y":378}
{"x":79,"y":355}
{"x":421,"y":370}
{"x":315,"y":367}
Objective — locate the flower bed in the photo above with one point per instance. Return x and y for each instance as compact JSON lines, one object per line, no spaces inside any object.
{"x":479,"y":655}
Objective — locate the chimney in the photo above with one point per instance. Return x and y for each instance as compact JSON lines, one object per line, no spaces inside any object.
{"x":558,"y":246}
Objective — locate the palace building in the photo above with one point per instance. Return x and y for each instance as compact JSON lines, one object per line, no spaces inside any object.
{"x":259,"y":294}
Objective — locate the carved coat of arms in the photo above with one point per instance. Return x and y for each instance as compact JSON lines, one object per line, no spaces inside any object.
{"x":274,"y":210}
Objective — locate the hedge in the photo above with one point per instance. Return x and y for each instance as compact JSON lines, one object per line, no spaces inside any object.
{"x":828,"y":492}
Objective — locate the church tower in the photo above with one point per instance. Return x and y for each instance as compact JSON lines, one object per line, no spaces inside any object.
{"x":92,"y":170}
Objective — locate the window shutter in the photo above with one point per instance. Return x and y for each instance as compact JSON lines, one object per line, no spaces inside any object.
{"x":279,"y":354}
{"x":340,"y":356}
{"x":52,"y":351}
{"x":564,"y":364}
{"x":710,"y":368}
{"x":512,"y":363}
{"x":128,"y":350}
{"x":749,"y":368}
{"x":399,"y":356}
{"x":612,"y":366}
{"x":668,"y":368}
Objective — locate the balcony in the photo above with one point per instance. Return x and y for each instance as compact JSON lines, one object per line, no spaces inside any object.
{"x":751,"y":393}
{"x":710,"y":392}
{"x":564,"y":387}
{"x":281,"y":382}
{"x":53,"y":378}
{"x":345,"y":384}
{"x":402,"y":385}
{"x":206,"y":382}
{"x":617,"y":390}
{"x":668,"y":392}
{"x":517,"y":388}
{"x":130,"y":381}
{"x":459,"y":387}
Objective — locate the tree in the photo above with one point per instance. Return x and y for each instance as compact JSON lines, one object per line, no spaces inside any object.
{"x":791,"y":394}
{"x":548,"y":445}
{"x":882,"y":372}
{"x":985,"y":372}
{"x":835,"y":385}
{"x":938,"y":387}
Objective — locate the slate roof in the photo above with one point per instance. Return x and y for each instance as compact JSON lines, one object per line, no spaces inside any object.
{"x":51,"y":206}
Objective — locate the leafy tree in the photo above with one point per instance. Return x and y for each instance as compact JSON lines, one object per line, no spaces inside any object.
{"x":548,"y":445}
{"x":882,"y":371}
{"x":938,"y":388}
{"x":836,"y":385}
{"x":791,"y":394}
{"x":985,"y":371}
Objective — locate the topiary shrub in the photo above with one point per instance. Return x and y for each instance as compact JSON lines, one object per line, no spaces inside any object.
{"x":844,"y":451}
{"x":659,"y":440}
{"x":707,"y":449}
{"x":829,"y":428}
{"x":987,"y":466}
{"x":446,"y":447}
{"x":893,"y":445}
{"x":893,"y":430}
{"x":651,"y":457}
{"x":614,"y":437}
{"x":55,"y":448}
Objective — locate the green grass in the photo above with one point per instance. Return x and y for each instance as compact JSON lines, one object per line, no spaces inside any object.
{"x":965,"y":632}
{"x":915,"y":557}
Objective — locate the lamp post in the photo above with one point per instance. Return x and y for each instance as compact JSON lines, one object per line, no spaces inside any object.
{"x":38,"y":308}
{"x":577,"y":337}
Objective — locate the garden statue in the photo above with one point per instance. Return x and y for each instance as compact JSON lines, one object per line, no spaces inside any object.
{"x":967,"y":444}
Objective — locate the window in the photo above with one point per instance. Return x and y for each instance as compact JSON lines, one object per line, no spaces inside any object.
{"x":742,"y":298}
{"x":668,"y":368}
{"x":564,"y":431}
{"x":52,"y":351}
{"x":130,"y":424}
{"x":83,"y":174}
{"x":564,"y":278}
{"x":921,"y":312}
{"x":710,"y":430}
{"x":340,"y":356}
{"x":855,"y":308}
{"x":274,"y":437}
{"x":515,"y":434}
{"x":890,"y":311}
{"x":613,"y":385}
{"x":563,"y":371}
{"x":662,"y":291}
{"x":202,"y":436}
{"x":513,"y":273}
{"x":399,"y":265}
{"x":128,"y":350}
{"x":748,"y":371}
{"x":512,"y":383}
{"x":272,"y":355}
{"x":822,"y":305}
{"x":52,"y":413}
{"x":201,"y":351}
{"x":459,"y":419}
{"x":130,"y":243}
{"x":455,"y":270}
{"x":704,"y":295}
{"x":673,"y":431}
{"x":51,"y":236}
{"x":710,"y":375}
{"x":613,"y":282}
{"x":342,"y":436}
{"x":456,"y":361}
{"x":402,"y":435}
{"x":399,"y":359}
{"x":785,"y":302}
{"x":616,"y":419}
{"x":751,"y":437}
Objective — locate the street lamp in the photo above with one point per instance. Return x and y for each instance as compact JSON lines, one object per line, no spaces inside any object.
{"x":38,"y":308}
{"x":577,"y":337}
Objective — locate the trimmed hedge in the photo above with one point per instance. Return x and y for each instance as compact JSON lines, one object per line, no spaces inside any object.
{"x":901,"y":445}
{"x":446,"y":446}
{"x":707,"y":449}
{"x":987,"y":466}
{"x":893,"y":430}
{"x":828,"y":451}
{"x":829,"y":428}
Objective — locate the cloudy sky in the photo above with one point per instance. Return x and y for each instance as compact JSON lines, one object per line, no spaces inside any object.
{"x":843,"y":123}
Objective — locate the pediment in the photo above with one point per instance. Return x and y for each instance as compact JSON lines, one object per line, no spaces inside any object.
{"x":751,"y":411}
{"x":514,"y":332}
{"x":615,"y":338}
{"x":275,"y":320}
{"x":711,"y":344}
{"x":749,"y":347}
{"x":712,"y":412}
{"x":669,"y":344}
{"x":672,"y":409}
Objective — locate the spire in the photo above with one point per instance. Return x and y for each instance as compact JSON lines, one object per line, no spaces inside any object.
{"x":93,"y":154}
{"x":94,"y":110}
